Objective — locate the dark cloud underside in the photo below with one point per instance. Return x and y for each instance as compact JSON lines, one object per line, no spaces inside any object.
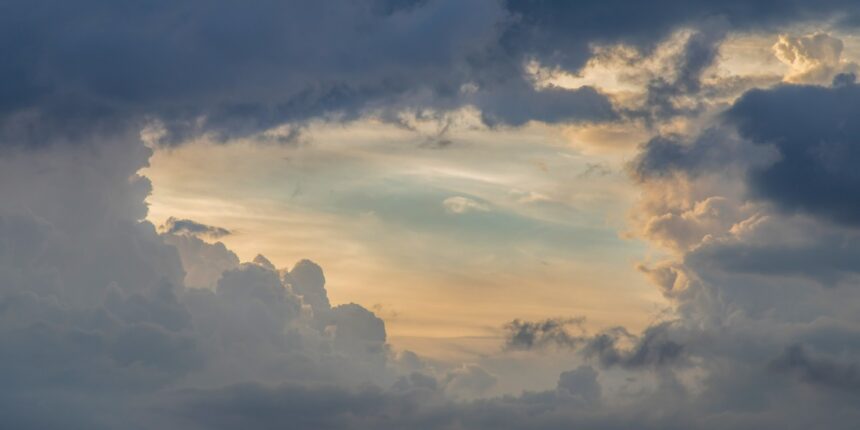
{"x":232,"y":69}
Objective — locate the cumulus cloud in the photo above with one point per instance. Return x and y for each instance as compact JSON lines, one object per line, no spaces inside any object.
{"x":202,"y":262}
{"x":813,"y":58}
{"x":101,"y":313}
{"x":757,"y":214}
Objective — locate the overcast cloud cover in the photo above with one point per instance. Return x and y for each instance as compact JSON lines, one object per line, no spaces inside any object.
{"x":107,"y":321}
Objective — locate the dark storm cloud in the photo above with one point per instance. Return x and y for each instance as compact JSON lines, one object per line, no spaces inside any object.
{"x":233,"y":69}
{"x":665,"y":155}
{"x":815,"y":131}
{"x":815,"y":370}
{"x":803,"y":151}
{"x":829,"y":258}
{"x":559,"y":31}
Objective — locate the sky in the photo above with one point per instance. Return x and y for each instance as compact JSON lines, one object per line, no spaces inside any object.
{"x":429,"y":214}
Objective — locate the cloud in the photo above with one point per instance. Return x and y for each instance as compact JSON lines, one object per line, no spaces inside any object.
{"x":696,"y":55}
{"x":755,"y":212}
{"x":202,"y":262}
{"x":545,"y":26}
{"x":324,"y":407}
{"x":541,"y":334}
{"x":812,"y":129}
{"x":224,"y":70}
{"x":688,"y":228}
{"x":100,"y":313}
{"x":818,"y":371}
{"x":188,"y":227}
{"x":654,"y":347}
{"x":307,"y":280}
{"x":820,"y":254}
{"x":813,"y":58}
{"x":582,"y":383}
{"x":461,"y":205}
{"x":469,"y":381}
{"x":715,"y":149}
{"x":193,"y":70}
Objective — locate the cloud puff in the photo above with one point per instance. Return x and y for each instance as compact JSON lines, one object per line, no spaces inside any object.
{"x":188,"y":227}
{"x":813,"y":58}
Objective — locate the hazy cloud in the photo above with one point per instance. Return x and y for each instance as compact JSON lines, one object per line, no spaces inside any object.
{"x":462,"y":205}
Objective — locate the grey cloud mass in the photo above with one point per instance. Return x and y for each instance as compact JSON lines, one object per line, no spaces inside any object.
{"x":228,"y":69}
{"x":814,"y":131}
{"x":796,"y":141}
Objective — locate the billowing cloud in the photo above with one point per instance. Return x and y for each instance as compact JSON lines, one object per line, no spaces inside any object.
{"x":814,"y":58}
{"x":99,"y":313}
{"x":757,"y":214}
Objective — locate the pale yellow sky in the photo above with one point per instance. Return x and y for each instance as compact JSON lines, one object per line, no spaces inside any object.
{"x":367,"y":202}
